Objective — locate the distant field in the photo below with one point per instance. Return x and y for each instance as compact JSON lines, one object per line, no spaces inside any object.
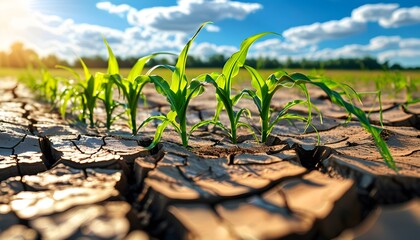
{"x":353,"y":77}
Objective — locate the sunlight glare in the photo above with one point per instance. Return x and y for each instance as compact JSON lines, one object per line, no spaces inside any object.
{"x":15,"y":19}
{"x":14,"y":14}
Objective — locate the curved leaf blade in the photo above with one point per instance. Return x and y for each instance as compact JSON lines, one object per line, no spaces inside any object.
{"x":178,"y":78}
{"x":113,"y":67}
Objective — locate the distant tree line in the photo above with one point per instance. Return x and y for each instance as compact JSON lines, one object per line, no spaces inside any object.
{"x":21,"y":57}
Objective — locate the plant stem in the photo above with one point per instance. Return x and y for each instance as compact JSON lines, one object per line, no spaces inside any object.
{"x":133,"y":115}
{"x":232,"y":117}
{"x":233,"y":132}
{"x":265,"y":120}
{"x":91,"y":119}
{"x":264,"y":130}
{"x":183,"y":128}
{"x":108,"y":120}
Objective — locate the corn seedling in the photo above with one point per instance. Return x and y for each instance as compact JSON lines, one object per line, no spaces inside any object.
{"x":131,"y":87}
{"x":263,"y":93}
{"x":223,"y":84}
{"x":337,"y":99}
{"x":397,"y":83}
{"x":49,"y":86}
{"x":87,"y":90}
{"x":107,"y":86}
{"x":30,"y":79}
{"x":351,"y":94}
{"x":393,"y":83}
{"x":67,"y":95}
{"x":54,"y":90}
{"x":178,"y":95}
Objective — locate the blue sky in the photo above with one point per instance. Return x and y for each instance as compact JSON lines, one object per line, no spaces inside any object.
{"x":388,"y":30}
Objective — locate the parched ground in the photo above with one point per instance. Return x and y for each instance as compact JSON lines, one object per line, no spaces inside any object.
{"x":61,"y":180}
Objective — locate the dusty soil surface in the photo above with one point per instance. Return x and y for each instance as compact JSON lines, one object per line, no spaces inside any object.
{"x":62,"y":180}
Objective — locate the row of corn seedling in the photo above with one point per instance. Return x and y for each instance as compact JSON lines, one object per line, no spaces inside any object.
{"x":81,"y":96}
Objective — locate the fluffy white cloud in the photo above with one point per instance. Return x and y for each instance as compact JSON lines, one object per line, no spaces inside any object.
{"x":275,"y":48}
{"x":410,"y":43}
{"x":212,"y":28}
{"x":121,"y":10}
{"x":205,"y":50}
{"x":186,"y":16}
{"x":373,"y":12}
{"x":385,"y":48}
{"x":401,"y":17}
{"x":387,"y":15}
{"x":383,"y":42}
{"x":407,"y":53}
{"x":402,"y":54}
{"x":321,"y":31}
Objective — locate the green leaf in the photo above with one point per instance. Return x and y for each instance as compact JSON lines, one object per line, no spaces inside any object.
{"x":168,"y":119}
{"x":287,"y":116}
{"x":178,"y":78}
{"x":257,"y":82}
{"x":75,"y":74}
{"x":112,"y":61}
{"x":166,"y":66}
{"x":158,"y":135}
{"x":237,"y":97}
{"x":240,"y":112}
{"x":151,"y":118}
{"x":255,"y":98}
{"x":171,"y":115}
{"x":246,"y":125}
{"x":85,"y":69}
{"x":138,"y":67}
{"x":299,"y":77}
{"x":364,"y":121}
{"x":194,"y":89}
{"x":220,"y":94}
{"x":65,"y":97}
{"x":280,"y":73}
{"x":200,"y":124}
{"x":237,"y":60}
{"x":163,"y":88}
{"x":285,"y":109}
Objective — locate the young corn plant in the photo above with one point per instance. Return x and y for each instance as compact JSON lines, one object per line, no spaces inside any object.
{"x":337,"y":99}
{"x":87,"y":90}
{"x":262,"y":96}
{"x":68,"y":95}
{"x":131,"y":88}
{"x":223,"y":84}
{"x":411,"y":88}
{"x":56,"y":90}
{"x":108,"y":83}
{"x":351,"y":94}
{"x":178,"y":95}
{"x":30,"y":78}
{"x":264,"y":91}
{"x":49,"y":86}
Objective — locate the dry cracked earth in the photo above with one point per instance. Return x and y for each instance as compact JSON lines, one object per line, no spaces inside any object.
{"x":60,"y":180}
